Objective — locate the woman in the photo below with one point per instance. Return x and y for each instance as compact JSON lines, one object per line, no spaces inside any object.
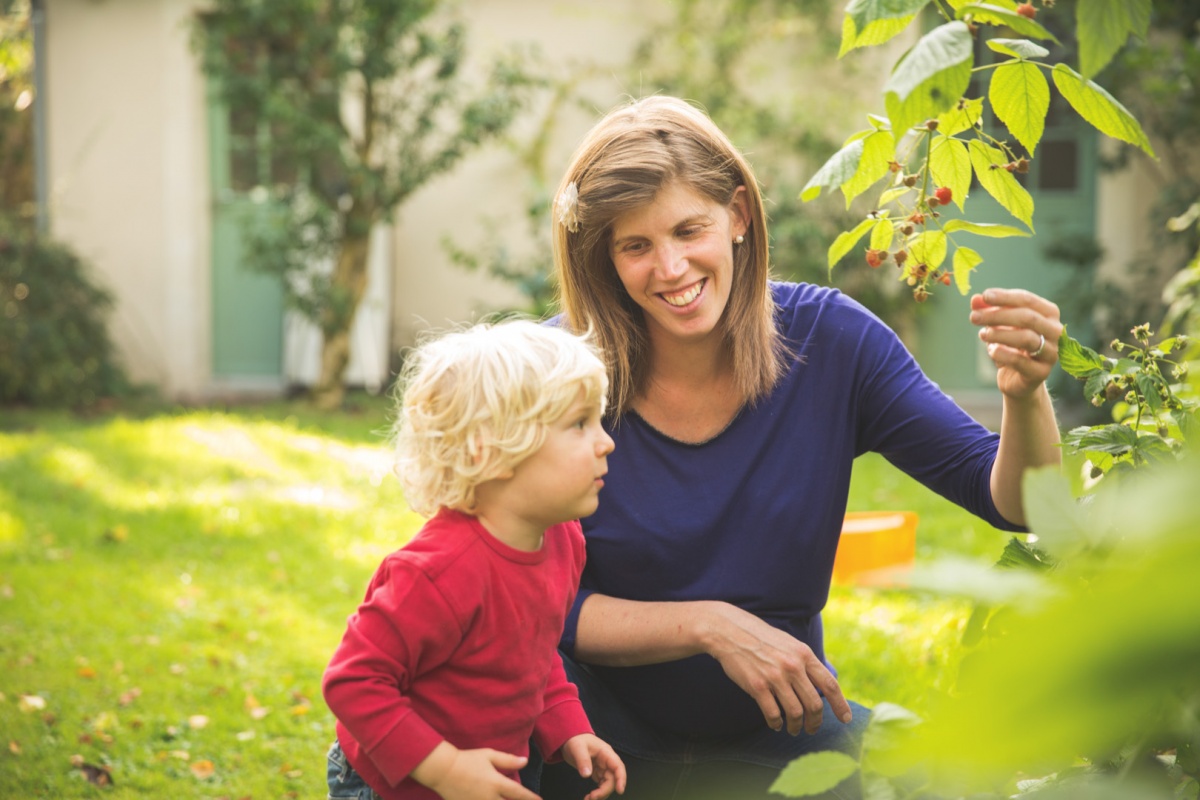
{"x":738,"y":406}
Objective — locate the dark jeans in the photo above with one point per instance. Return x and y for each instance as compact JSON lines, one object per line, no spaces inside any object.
{"x":665,"y":766}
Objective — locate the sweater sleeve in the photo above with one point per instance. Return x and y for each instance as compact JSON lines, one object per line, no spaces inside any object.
{"x":403,"y":628}
{"x":563,"y":715}
{"x":907,"y":418}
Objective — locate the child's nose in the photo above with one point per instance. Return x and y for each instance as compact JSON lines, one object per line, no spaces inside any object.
{"x":604,"y":444}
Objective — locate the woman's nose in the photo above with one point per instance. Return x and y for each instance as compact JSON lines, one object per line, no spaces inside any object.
{"x":671,"y":263}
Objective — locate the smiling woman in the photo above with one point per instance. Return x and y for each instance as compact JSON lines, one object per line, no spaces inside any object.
{"x":738,"y":406}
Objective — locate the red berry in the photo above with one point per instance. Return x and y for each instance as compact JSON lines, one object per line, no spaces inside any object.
{"x":901,"y":256}
{"x":875,"y":258}
{"x":1027,"y":10}
{"x":917,"y":218}
{"x":945,"y":279}
{"x":944,"y":195}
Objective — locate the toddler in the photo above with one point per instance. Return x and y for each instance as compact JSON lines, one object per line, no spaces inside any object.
{"x":450,"y":666}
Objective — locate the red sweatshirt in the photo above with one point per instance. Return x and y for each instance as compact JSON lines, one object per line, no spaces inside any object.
{"x":457,"y":640}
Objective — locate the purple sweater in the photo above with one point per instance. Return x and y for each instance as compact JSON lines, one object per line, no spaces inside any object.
{"x":752,"y":516}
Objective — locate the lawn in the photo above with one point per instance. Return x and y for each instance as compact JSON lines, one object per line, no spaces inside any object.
{"x":172,"y":583}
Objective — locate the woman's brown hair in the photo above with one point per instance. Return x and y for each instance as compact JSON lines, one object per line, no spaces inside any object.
{"x":622,"y":164}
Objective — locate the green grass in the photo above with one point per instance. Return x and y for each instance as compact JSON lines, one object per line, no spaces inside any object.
{"x":173,"y":582}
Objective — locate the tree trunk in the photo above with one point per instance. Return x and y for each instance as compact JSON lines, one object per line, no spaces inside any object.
{"x":350,"y":281}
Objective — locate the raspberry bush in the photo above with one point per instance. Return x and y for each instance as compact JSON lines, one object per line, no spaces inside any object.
{"x":923,"y":152}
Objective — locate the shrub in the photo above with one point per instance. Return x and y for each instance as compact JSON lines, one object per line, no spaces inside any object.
{"x":54,"y":344}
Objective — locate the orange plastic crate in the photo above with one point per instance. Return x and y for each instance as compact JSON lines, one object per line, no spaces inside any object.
{"x":872,"y":541}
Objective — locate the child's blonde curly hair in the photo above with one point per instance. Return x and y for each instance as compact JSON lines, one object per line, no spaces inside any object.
{"x":475,"y":403}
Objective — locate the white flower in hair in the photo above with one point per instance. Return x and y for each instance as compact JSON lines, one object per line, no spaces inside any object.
{"x":567,"y":207}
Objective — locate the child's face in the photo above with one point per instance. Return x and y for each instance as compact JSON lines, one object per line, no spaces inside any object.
{"x":562,"y":479}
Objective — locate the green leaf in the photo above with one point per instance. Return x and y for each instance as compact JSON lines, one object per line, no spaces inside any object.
{"x":1061,"y":524}
{"x":999,"y":182}
{"x":950,"y":165}
{"x":930,"y":78}
{"x":1021,"y":48}
{"x":928,"y":248}
{"x":1100,"y":108}
{"x":1189,"y":424}
{"x":1102,"y":27}
{"x":892,"y":194}
{"x":840,"y":168}
{"x":871,"y":22}
{"x":814,"y":774}
{"x":881,"y":235}
{"x":990,"y":229}
{"x":992,"y":14}
{"x":1077,"y":360}
{"x":889,"y":730}
{"x":878,"y":149}
{"x":846,"y":240}
{"x":961,"y":118}
{"x":1149,"y":385}
{"x":1020,"y":96}
{"x":1114,"y":438}
{"x":965,"y":260}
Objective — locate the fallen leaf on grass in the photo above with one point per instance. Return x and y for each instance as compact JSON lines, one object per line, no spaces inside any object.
{"x":259,"y":712}
{"x":86,"y":672}
{"x":31,"y":702}
{"x":128,"y":697}
{"x":299,"y":711}
{"x":203,"y":769}
{"x":95,"y":773}
{"x":116,"y":534}
{"x":197,"y":721}
{"x":245,"y":736}
{"x":14,"y":747}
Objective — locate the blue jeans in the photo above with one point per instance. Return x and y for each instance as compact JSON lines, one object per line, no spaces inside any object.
{"x":665,"y":766}
{"x":344,"y":782}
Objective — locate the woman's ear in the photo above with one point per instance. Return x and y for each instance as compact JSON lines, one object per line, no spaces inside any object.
{"x":739,"y":211}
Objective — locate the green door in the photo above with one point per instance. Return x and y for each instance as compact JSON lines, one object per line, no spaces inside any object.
{"x":1062,"y":182}
{"x":247,"y":306}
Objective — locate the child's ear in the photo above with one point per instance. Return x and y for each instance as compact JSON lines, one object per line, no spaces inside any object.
{"x":505,"y":475}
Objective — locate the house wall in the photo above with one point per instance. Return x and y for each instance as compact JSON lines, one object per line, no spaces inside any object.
{"x":491,"y":187}
{"x":128,"y":175}
{"x":129,"y":170}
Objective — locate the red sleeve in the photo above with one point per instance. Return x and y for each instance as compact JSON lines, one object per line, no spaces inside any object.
{"x":403,"y":628}
{"x":563,"y":715}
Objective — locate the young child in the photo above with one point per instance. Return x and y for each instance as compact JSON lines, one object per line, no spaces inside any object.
{"x":450,"y":665}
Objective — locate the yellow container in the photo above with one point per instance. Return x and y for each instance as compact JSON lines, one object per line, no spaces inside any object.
{"x":875,"y":541}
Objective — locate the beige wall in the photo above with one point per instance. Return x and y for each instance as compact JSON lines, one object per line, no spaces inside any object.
{"x":430,"y":291}
{"x":128,"y":175}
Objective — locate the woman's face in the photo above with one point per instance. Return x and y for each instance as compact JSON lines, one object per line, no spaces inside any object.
{"x":675,"y":258}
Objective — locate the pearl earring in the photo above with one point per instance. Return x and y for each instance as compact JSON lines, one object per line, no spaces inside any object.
{"x":739,"y":239}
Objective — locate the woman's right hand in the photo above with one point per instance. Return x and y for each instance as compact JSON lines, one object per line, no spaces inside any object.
{"x":780,"y":672}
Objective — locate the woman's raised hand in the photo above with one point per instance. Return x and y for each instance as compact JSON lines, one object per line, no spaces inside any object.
{"x":1021,"y":330}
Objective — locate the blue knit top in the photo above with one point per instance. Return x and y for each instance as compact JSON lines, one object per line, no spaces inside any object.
{"x":752,"y":516}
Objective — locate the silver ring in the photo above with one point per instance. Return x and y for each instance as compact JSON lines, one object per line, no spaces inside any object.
{"x":1041,"y":346}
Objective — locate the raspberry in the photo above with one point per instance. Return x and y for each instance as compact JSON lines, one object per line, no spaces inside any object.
{"x":1027,"y":10}
{"x":931,"y":125}
{"x":932,"y":202}
{"x":917,"y":218}
{"x":1023,"y":165}
{"x":920,"y":294}
{"x":945,"y":278}
{"x":875,"y":257}
{"x":944,"y":195}
{"x":894,"y":166}
{"x":910,"y":180}
{"x":901,"y":256}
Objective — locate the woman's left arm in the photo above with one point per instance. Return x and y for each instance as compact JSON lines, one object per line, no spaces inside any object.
{"x":1021,"y":331}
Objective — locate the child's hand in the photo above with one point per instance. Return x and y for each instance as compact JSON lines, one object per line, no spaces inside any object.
{"x":595,"y":759}
{"x":471,"y":774}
